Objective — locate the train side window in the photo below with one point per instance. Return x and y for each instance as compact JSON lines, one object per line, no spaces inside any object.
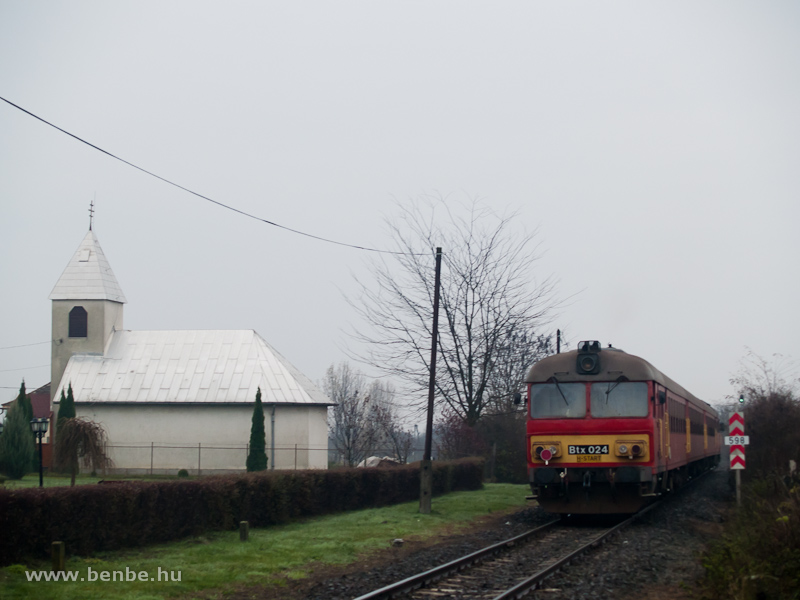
{"x":677,"y":416}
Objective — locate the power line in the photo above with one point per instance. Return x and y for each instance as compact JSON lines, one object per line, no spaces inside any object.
{"x":25,"y":345}
{"x":23,"y":369}
{"x":185,"y":189}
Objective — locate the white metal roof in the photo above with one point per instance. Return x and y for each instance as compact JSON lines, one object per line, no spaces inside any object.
{"x":187,"y":367}
{"x":88,"y":275}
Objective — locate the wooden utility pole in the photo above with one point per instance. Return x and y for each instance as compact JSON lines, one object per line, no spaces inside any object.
{"x":426,"y":468}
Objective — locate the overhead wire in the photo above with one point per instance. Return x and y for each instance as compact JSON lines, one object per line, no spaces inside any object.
{"x":24,"y":345}
{"x":23,"y":369}
{"x":185,"y":189}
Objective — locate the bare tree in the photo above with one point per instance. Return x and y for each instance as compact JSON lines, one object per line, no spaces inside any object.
{"x":353,"y":431}
{"x":80,"y":440}
{"x":772,"y":411}
{"x":759,"y":377}
{"x":393,"y":436}
{"x":488,"y":301}
{"x":512,"y":361}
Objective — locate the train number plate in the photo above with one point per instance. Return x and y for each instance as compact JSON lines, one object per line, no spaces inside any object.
{"x":589,"y":450}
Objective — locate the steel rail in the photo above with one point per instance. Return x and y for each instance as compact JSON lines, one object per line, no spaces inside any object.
{"x":522,"y":588}
{"x":416,"y":581}
{"x":534,"y":580}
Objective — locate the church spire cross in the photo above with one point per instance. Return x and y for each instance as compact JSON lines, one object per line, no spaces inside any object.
{"x":91,"y":214}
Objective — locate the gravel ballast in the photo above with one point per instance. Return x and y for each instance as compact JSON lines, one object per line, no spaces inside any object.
{"x":656,"y":558}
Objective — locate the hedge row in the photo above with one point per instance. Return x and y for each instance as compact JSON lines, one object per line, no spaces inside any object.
{"x":91,"y":518}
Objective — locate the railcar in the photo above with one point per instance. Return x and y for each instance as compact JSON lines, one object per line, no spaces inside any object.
{"x":607,"y":432}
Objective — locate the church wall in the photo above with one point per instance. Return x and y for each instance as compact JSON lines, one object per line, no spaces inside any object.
{"x":212,"y":438}
{"x":103,"y":316}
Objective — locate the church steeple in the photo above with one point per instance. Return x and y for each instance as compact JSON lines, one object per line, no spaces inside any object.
{"x":88,"y":275}
{"x":87,"y":307}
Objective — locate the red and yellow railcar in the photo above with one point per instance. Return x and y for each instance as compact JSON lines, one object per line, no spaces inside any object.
{"x":607,"y":431}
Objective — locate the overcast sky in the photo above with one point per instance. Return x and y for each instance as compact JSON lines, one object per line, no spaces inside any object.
{"x":655,"y":146}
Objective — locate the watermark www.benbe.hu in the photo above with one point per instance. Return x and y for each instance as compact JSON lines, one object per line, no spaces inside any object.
{"x":91,"y":574}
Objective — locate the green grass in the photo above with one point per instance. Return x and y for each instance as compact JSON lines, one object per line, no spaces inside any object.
{"x":219,"y":561}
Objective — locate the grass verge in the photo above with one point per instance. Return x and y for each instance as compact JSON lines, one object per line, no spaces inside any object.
{"x":219,"y":561}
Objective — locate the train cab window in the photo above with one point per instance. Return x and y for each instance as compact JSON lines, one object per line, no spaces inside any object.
{"x":620,"y":399}
{"x":558,"y":400}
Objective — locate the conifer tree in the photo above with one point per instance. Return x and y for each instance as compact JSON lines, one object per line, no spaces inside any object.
{"x":16,"y":443}
{"x":25,"y":404}
{"x":257,"y":456}
{"x":24,"y":401}
{"x":66,"y":409}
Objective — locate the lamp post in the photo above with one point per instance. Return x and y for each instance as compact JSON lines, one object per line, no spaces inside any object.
{"x":39,"y":428}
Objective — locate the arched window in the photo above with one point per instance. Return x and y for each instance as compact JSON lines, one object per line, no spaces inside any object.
{"x":77,"y":322}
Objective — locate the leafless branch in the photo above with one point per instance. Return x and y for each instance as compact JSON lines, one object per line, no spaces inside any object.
{"x":491,"y":305}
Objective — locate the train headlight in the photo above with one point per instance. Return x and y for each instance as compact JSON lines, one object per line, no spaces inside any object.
{"x":545,"y":450}
{"x":631,"y":449}
{"x":588,"y":363}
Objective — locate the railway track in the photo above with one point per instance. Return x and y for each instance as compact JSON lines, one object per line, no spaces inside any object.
{"x":509,"y":569}
{"x":503,"y":571}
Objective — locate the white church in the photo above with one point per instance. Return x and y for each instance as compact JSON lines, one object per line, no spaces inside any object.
{"x":172,"y":400}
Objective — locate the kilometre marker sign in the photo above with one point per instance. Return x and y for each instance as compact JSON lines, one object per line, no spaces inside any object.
{"x":737,"y":440}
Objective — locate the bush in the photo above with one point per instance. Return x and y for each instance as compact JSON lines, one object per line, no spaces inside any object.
{"x":183,"y":473}
{"x":498,"y":438}
{"x":759,"y":554}
{"x":772,"y":422}
{"x":93,"y":518}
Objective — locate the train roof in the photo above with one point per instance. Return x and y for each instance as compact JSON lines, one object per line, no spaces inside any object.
{"x":613,"y":363}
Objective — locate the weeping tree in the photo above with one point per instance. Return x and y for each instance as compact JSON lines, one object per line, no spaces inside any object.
{"x":492,"y":310}
{"x":80,"y":441}
{"x":257,"y":456}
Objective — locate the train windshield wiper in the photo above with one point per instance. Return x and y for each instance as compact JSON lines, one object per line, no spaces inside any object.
{"x":610,"y":389}
{"x":558,"y":387}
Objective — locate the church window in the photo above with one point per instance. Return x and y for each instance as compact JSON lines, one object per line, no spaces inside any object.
{"x":78,"y":322}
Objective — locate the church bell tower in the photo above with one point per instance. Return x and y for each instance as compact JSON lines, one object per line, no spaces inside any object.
{"x":86,"y":309}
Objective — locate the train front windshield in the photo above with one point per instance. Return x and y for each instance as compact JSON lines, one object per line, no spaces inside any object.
{"x":558,"y":400}
{"x":619,"y":399}
{"x":608,"y":400}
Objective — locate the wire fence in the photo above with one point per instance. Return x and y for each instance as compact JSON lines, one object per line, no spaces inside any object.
{"x":205,"y":459}
{"x":158,"y":458}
